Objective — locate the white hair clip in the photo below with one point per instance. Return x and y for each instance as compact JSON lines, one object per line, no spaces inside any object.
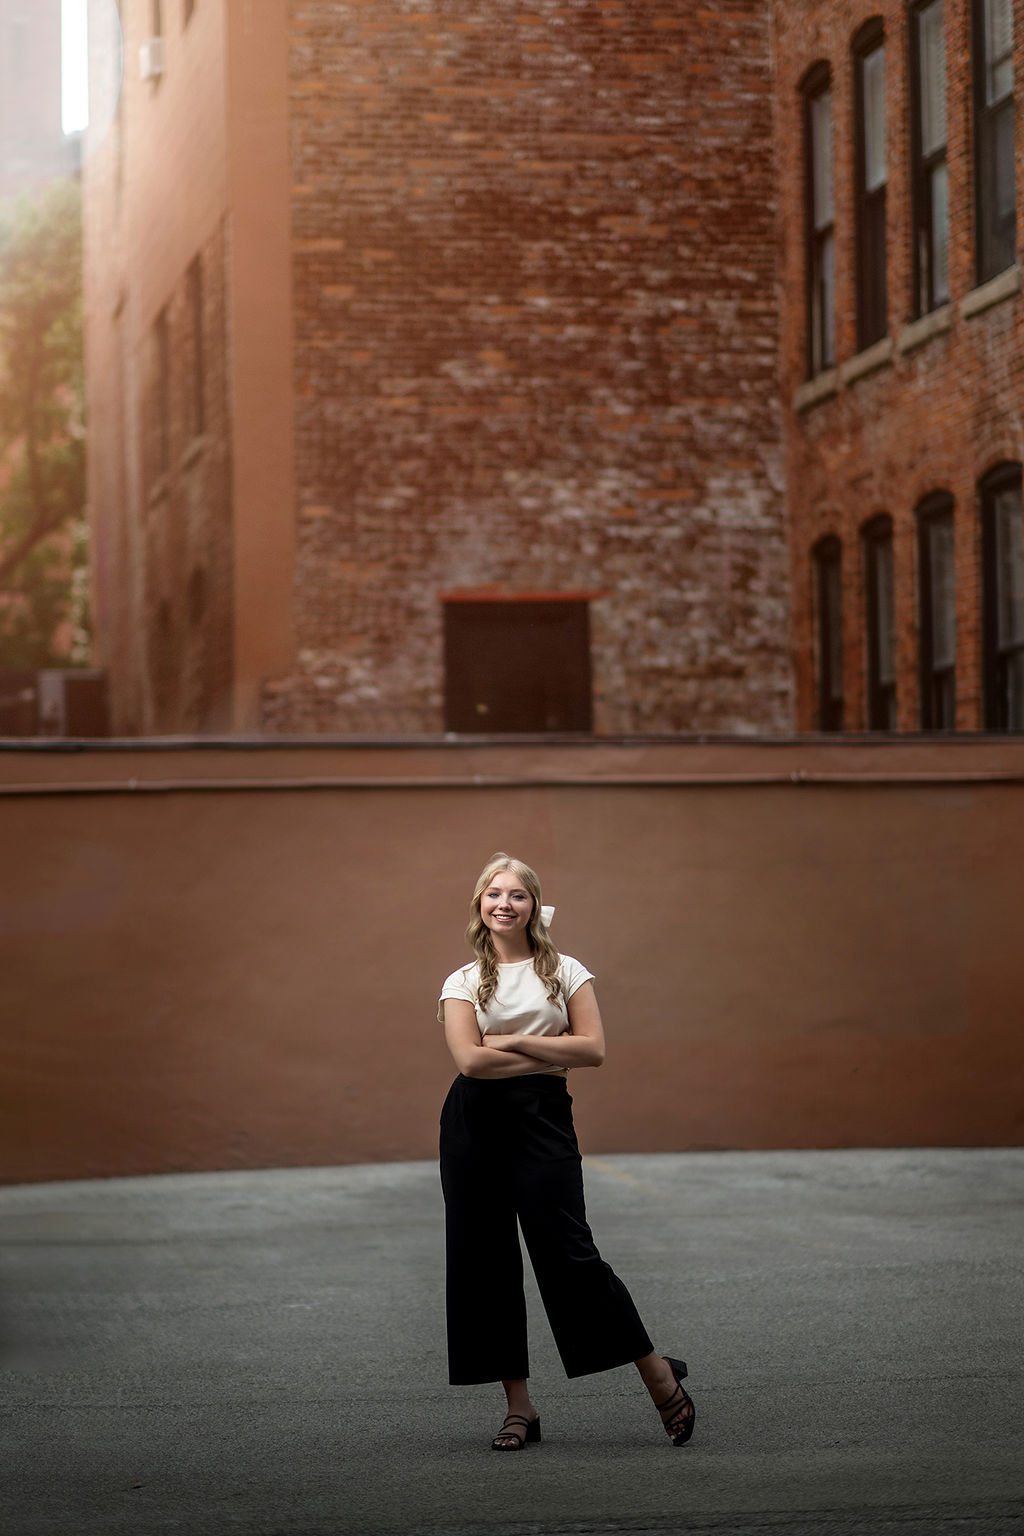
{"x":546,"y":914}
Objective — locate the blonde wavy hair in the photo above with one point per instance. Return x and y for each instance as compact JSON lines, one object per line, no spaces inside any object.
{"x":545,"y":955}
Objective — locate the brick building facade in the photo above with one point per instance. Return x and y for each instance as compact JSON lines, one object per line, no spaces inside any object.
{"x":529,"y":459}
{"x":904,"y":428}
{"x":529,"y":337}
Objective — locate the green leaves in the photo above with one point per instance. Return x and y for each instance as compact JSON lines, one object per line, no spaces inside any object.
{"x":43,"y":543}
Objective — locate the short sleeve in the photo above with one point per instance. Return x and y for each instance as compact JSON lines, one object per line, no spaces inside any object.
{"x":573,"y":975}
{"x":460,"y":984}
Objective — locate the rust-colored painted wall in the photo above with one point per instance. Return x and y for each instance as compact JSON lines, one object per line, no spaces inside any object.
{"x":155,"y":199}
{"x":193,"y":519}
{"x":235,"y":962}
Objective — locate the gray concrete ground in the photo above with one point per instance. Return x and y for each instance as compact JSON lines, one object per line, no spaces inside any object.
{"x":263,"y":1353}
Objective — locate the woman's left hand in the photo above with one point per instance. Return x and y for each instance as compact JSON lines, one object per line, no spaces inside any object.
{"x":501,"y":1042}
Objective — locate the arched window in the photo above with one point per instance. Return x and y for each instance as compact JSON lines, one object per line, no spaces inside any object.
{"x":870,"y":178}
{"x":995,"y":214}
{"x":880,"y":617}
{"x":819,"y":220}
{"x":928,"y":155}
{"x":1002,"y":533}
{"x":936,"y":573}
{"x":827,"y":558}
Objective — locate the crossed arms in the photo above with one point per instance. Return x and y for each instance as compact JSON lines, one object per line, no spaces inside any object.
{"x":516,"y":1055}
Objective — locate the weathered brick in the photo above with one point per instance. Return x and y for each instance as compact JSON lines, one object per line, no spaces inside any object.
{"x":577,"y":321}
{"x":937,"y":417}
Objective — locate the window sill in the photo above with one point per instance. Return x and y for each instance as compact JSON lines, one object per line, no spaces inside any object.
{"x":821,"y":387}
{"x":868,"y":361}
{"x":936,"y":323}
{"x":1004,"y":286}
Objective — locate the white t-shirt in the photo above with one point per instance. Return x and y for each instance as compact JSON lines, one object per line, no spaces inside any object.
{"x":520,"y":1003}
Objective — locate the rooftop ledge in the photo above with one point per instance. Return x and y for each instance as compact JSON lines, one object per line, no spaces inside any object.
{"x":193,"y":764}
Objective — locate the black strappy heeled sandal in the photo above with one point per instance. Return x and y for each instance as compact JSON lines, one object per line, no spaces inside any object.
{"x":531,"y":1435}
{"x":680,"y":1422}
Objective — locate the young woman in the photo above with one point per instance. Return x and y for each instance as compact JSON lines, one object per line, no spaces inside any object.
{"x":515,"y":1021}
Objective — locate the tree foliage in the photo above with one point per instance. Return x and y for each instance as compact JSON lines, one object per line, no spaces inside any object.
{"x":43,"y":540}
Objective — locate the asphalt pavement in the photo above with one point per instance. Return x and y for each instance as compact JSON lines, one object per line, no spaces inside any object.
{"x":262,"y":1353}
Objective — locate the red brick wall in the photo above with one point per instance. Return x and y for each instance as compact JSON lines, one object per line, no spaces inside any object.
{"x":933,"y":418}
{"x":536,"y":349}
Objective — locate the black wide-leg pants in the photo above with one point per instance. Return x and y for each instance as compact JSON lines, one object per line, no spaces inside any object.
{"x":508,"y":1152}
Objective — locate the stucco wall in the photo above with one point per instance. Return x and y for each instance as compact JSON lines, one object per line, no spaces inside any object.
{"x":235,"y":962}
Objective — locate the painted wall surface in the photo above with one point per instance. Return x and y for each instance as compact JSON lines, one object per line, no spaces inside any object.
{"x":230,"y":957}
{"x":188,"y":348}
{"x":160,"y":428}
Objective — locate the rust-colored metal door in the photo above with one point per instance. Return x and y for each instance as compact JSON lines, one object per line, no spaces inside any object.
{"x":517,"y":665}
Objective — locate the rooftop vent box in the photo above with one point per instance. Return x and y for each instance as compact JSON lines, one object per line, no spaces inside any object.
{"x":151,"y":58}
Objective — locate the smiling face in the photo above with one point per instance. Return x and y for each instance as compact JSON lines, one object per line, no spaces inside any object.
{"x":506,"y":906}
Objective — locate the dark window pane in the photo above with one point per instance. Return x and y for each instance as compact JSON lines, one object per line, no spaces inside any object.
{"x":1014,"y":689}
{"x":943,"y":701}
{"x":821,"y":160}
{"x":1009,"y":567}
{"x":939,"y":236}
{"x":928,"y":146}
{"x":820,"y":243}
{"x":872,"y":316}
{"x":998,"y":23}
{"x":1003,"y":539}
{"x":937,"y":605}
{"x":932,"y":66}
{"x":884,"y":643}
{"x":994,"y":135}
{"x":881,"y":637}
{"x":942,"y":579}
{"x":829,"y":597}
{"x":1003,"y":190}
{"x":873,"y":67}
{"x":823,"y":286}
